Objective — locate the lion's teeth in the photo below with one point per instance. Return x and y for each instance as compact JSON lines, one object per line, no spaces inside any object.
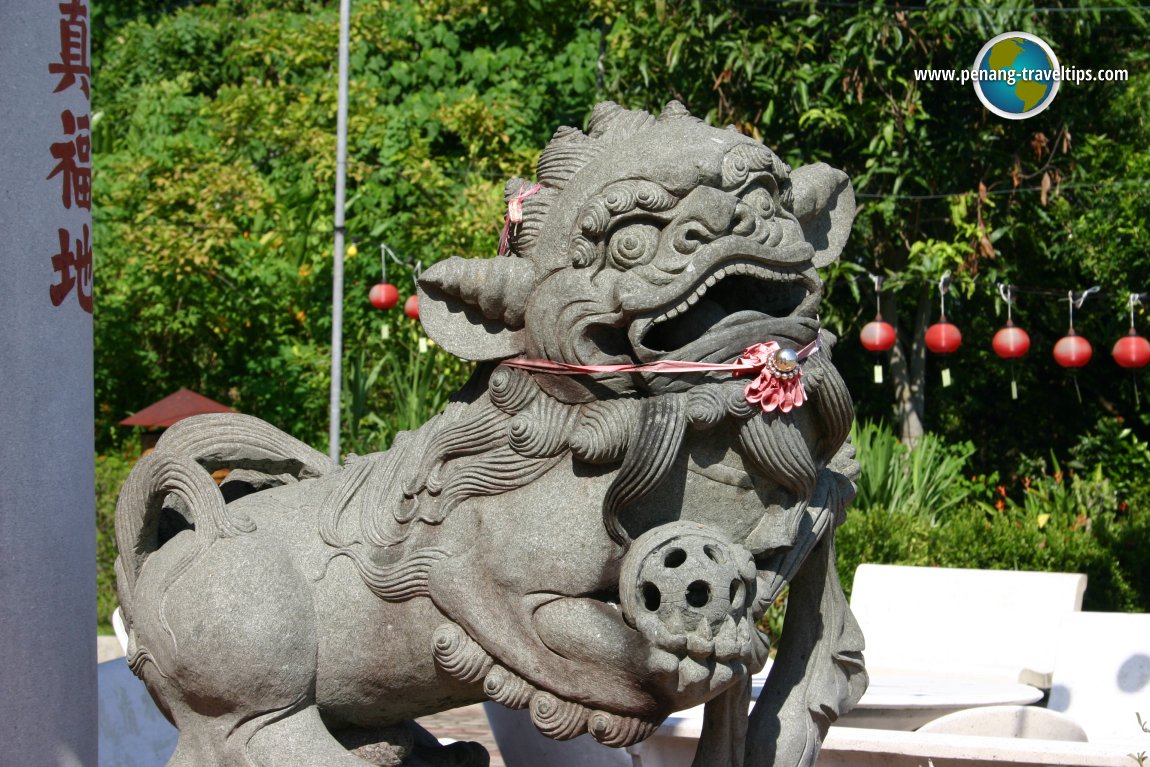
{"x":727,"y":640}
{"x":712,"y":280}
{"x":675,"y":642}
{"x":693,"y":300}
{"x":691,"y":672}
{"x":744,"y":632}
{"x":699,"y":642}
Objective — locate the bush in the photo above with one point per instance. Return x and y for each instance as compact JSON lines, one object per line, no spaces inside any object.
{"x":928,"y":480}
{"x":111,"y":471}
{"x":1064,"y":521}
{"x":1124,"y":459}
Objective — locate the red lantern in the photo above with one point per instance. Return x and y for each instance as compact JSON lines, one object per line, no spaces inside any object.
{"x":1072,"y":350}
{"x":1132,"y":351}
{"x":877,"y":336}
{"x":1010,"y":342}
{"x":411,"y":307}
{"x":383,"y":296}
{"x":943,"y":337}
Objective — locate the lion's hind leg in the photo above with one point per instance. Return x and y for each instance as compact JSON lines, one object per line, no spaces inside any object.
{"x":298,"y":740}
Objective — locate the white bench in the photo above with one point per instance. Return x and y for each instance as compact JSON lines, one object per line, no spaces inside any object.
{"x":1101,"y":679}
{"x":998,"y":626}
{"x":1102,"y":676}
{"x":989,"y":624}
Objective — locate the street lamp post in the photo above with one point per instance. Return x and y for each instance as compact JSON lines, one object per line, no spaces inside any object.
{"x":338,"y":247}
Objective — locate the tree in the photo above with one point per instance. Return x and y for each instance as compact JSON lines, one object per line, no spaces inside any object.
{"x":215,"y":174}
{"x":943,"y":184}
{"x":215,"y":166}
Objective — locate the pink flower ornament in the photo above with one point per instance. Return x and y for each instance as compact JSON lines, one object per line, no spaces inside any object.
{"x":779,"y":385}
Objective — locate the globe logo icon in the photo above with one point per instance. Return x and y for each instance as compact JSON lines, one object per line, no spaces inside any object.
{"x":1016,"y":75}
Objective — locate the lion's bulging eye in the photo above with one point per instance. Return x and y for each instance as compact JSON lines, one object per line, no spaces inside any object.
{"x":633,"y":245}
{"x":762,"y":202}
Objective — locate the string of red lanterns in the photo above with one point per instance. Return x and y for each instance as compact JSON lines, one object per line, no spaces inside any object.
{"x":384,"y":295}
{"x":1011,"y":342}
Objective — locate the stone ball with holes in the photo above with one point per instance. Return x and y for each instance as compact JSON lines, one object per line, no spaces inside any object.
{"x":686,"y":586}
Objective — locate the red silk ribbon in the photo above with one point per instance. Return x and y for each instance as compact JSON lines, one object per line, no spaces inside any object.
{"x":514,"y":214}
{"x":768,"y":391}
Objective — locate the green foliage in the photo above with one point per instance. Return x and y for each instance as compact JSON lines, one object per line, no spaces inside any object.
{"x":412,"y":378}
{"x":1019,"y":540}
{"x":215,"y":173}
{"x":215,"y":166}
{"x":1114,"y":448}
{"x":926,"y":481}
{"x":1063,"y":522}
{"x":111,"y":471}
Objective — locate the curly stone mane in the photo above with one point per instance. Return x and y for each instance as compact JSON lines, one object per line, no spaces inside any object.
{"x":570,"y":150}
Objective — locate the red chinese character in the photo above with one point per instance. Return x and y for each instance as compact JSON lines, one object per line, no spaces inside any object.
{"x":73,"y":63}
{"x":75,"y":270}
{"x":75,"y":164}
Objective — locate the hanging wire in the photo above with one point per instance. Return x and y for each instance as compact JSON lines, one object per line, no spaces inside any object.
{"x":1135,"y":299}
{"x":1076,"y":303}
{"x":878,"y":280}
{"x":1007,"y":293}
{"x":943,"y":287}
{"x":385,"y":252}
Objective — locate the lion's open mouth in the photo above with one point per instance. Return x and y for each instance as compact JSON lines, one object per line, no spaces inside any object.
{"x":735,"y":305}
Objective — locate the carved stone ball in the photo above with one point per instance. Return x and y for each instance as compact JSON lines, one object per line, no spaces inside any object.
{"x":682,"y":579}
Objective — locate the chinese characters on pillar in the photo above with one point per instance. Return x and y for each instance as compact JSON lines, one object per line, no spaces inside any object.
{"x":71,"y":154}
{"x":74,"y":265}
{"x":73,"y":64}
{"x":74,"y":166}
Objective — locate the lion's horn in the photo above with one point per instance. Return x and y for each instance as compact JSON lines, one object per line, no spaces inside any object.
{"x":498,"y":286}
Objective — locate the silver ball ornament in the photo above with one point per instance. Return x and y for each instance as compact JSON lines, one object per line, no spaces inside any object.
{"x":786,"y":360}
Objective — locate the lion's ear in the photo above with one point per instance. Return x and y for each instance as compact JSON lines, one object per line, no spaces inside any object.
{"x":825,"y":208}
{"x":473,"y":307}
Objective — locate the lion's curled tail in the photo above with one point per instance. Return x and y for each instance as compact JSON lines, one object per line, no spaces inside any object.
{"x":176,"y":476}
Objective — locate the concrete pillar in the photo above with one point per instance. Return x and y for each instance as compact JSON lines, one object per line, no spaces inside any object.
{"x":47,"y":503}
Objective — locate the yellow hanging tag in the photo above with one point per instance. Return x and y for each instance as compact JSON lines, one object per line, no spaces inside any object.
{"x":385,"y":331}
{"x":878,"y":374}
{"x":945,"y":377}
{"x":422,"y":345}
{"x":1014,"y":390}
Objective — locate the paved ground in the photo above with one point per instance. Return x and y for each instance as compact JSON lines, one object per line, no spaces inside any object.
{"x":467,"y":723}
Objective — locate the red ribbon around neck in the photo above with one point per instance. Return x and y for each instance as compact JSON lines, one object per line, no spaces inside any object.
{"x":769,"y":391}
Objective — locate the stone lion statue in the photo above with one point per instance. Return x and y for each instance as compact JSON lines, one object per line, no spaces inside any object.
{"x":592,"y":527}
